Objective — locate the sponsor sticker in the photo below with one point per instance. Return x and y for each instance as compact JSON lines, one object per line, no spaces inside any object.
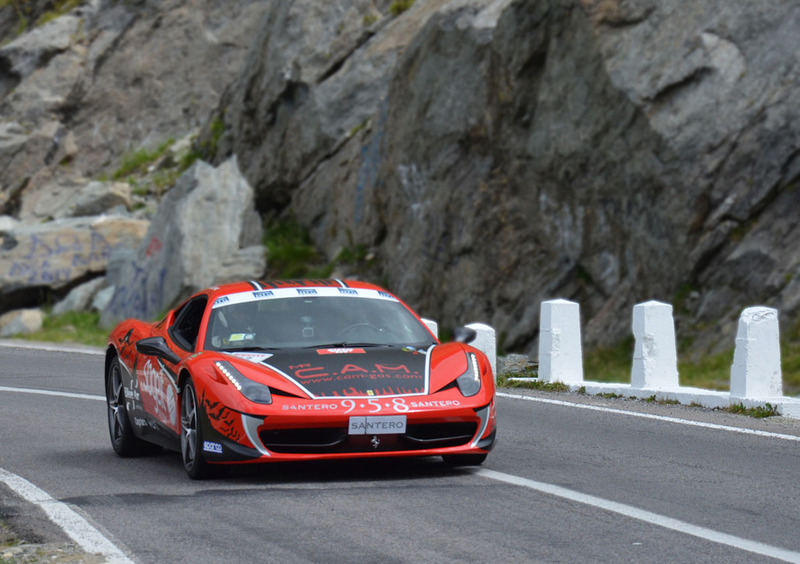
{"x":263,"y":294}
{"x":377,"y":425}
{"x":251,"y":357}
{"x":241,"y":337}
{"x":209,"y":446}
{"x":341,"y":351}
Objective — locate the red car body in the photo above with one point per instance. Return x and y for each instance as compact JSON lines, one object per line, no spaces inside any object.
{"x":189,"y":383}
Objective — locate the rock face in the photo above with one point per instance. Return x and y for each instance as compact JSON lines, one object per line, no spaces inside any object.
{"x":205,"y":232}
{"x":491,"y":154}
{"x":59,"y":254}
{"x":79,"y":95}
{"x":21,"y":321}
{"x":513,"y":151}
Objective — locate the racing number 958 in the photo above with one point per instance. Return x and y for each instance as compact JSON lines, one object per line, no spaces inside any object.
{"x":376,"y":405}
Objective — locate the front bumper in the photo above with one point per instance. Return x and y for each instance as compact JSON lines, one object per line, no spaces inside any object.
{"x":318,"y":429}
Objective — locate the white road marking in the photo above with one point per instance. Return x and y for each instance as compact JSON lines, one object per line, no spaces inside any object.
{"x":52,"y":348}
{"x":79,"y":529}
{"x":655,"y":417}
{"x":91,"y":540}
{"x":642,"y":515}
{"x":51,"y":393}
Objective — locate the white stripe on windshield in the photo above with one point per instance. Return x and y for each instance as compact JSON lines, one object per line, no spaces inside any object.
{"x":300,"y":292}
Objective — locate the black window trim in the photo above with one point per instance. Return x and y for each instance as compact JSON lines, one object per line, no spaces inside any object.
{"x":174,"y":335}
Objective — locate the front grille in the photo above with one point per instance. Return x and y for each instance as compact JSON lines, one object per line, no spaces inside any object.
{"x":437,"y":435}
{"x":304,"y":440}
{"x":418,"y":436}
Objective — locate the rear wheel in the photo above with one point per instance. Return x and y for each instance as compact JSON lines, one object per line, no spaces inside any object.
{"x":192,"y":436}
{"x":123,"y":440}
{"x":464,"y":459}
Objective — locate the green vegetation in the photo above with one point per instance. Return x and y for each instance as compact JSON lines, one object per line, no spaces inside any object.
{"x":24,"y":11}
{"x":711,"y":372}
{"x":760,"y":411}
{"x":505,"y":381}
{"x":21,"y":11}
{"x":290,"y":252}
{"x":60,"y":7}
{"x":654,"y":399}
{"x":71,"y":327}
{"x":358,"y":255}
{"x":397,"y":7}
{"x":7,"y":538}
{"x":138,"y":161}
{"x":208,"y":146}
{"x":790,"y":367}
{"x":135,"y":169}
{"x":609,"y":364}
{"x":359,"y":127}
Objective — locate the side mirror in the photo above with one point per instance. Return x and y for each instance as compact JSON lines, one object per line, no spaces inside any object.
{"x":464,"y":334}
{"x":157,"y":346}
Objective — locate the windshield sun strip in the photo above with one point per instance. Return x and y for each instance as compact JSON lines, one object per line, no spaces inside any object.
{"x":305,"y":292}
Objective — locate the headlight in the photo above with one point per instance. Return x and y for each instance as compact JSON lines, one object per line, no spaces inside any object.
{"x":470,"y":381}
{"x":255,"y":392}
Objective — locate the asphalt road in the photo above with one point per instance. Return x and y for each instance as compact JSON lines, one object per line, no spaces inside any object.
{"x":564,"y":484}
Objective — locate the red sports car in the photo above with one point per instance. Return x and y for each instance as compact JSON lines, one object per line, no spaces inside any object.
{"x":296,"y":370}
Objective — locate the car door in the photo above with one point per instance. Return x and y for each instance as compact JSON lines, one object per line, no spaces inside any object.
{"x":157,"y":374}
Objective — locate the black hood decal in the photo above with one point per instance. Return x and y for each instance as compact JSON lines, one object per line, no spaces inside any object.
{"x":364,"y":372}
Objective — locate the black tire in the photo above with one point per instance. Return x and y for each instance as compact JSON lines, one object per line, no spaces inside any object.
{"x":464,"y":459}
{"x":124,"y":442}
{"x":192,"y":436}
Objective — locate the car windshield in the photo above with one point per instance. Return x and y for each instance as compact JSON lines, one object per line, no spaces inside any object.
{"x":283,"y":319}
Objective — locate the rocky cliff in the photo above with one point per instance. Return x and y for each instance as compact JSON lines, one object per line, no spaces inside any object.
{"x":513,"y":151}
{"x":492,"y":154}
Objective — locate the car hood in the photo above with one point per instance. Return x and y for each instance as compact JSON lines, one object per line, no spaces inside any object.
{"x":357,"y":371}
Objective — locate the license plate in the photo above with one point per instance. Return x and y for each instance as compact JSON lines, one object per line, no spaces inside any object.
{"x":377,"y":425}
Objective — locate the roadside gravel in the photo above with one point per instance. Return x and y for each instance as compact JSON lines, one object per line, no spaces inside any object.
{"x":28,"y":536}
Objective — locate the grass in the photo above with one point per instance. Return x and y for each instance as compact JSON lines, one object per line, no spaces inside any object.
{"x":135,"y":169}
{"x":760,"y":411}
{"x":137,"y":161}
{"x":60,"y":8}
{"x":290,"y":252}
{"x":397,"y":7}
{"x":209,"y":144}
{"x":711,"y":372}
{"x":71,"y":327}
{"x":505,"y":381}
{"x":609,"y":364}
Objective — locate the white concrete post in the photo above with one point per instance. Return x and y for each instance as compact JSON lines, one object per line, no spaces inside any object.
{"x":655,"y":359}
{"x":432,"y":326}
{"x":486,"y":342}
{"x":560,"y":355}
{"x":756,"y":370}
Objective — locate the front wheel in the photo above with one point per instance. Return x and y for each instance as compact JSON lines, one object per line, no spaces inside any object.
{"x":192,"y":436}
{"x":464,"y":459}
{"x":123,"y":440}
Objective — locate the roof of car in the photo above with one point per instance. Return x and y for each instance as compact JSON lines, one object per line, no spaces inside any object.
{"x":258,"y":285}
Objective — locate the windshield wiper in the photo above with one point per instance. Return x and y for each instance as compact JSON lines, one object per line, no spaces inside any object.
{"x":248,"y":349}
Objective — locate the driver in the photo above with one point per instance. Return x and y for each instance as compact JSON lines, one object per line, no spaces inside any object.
{"x":239,"y":322}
